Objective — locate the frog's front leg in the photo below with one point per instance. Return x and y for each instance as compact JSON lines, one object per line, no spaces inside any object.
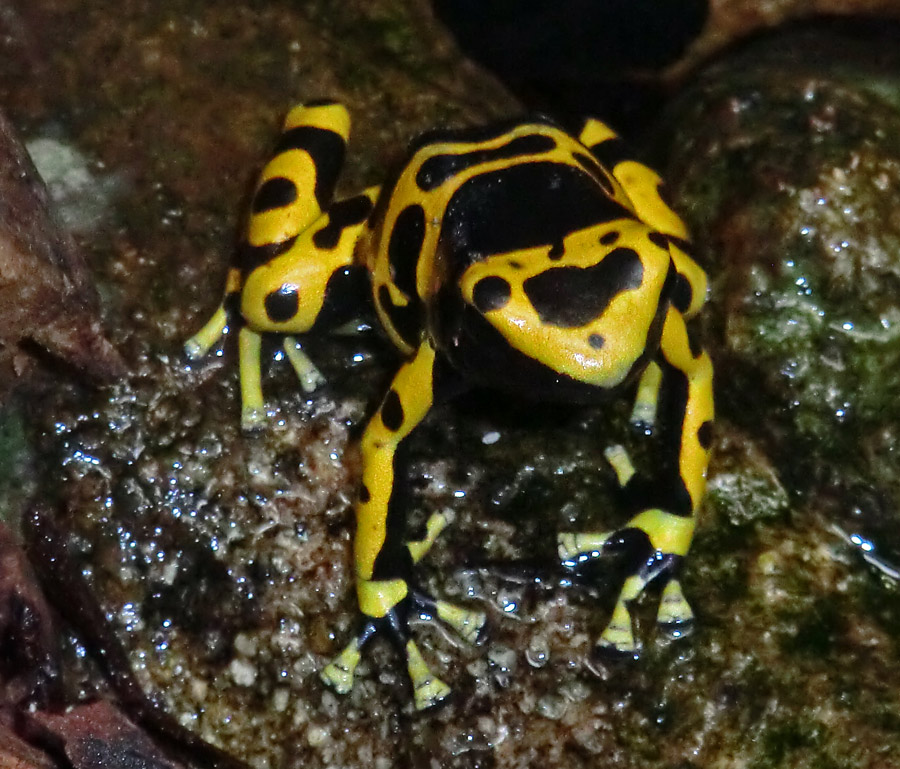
{"x":383,"y":559}
{"x":668,"y":528}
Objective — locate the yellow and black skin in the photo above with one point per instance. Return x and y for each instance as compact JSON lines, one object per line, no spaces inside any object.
{"x":517,"y":257}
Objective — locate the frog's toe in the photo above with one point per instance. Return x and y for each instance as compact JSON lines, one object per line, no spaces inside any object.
{"x":338,"y":674}
{"x":202,"y":342}
{"x":308,"y":374}
{"x":642,"y":424}
{"x":675,"y":617}
{"x":617,"y":639}
{"x":677,"y":628}
{"x":194,"y":349}
{"x":253,"y":419}
{"x":428,"y":689}
{"x":575,"y":548}
{"x":468,"y":624}
{"x":609,"y":651}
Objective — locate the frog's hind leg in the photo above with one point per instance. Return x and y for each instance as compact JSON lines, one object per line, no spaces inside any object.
{"x":667,"y":513}
{"x":646,"y":191}
{"x":641,"y":183}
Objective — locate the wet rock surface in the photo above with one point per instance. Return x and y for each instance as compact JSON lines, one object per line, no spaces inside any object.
{"x":791,"y":183}
{"x":207,"y":574}
{"x":29,"y":643}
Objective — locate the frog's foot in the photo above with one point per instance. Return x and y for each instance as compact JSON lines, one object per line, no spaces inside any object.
{"x":674,"y":616}
{"x":428,"y":689}
{"x":253,"y":408}
{"x":668,"y":537}
{"x":467,"y":624}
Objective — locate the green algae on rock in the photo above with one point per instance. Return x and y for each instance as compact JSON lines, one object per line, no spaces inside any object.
{"x":787,"y":162}
{"x":784,"y":159}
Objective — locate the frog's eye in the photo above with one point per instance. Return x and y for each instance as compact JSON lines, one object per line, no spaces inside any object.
{"x":491,"y":293}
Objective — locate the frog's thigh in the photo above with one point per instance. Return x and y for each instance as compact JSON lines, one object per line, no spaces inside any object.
{"x":297,"y":183}
{"x":688,"y":389}
{"x":645,"y":189}
{"x":641,"y":183}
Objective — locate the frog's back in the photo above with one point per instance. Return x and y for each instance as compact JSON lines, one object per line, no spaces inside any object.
{"x":465,"y":195}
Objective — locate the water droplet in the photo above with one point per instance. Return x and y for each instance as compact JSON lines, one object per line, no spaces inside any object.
{"x":538,"y":651}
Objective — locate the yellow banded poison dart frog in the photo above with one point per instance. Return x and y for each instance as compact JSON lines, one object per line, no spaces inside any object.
{"x":515,"y":256}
